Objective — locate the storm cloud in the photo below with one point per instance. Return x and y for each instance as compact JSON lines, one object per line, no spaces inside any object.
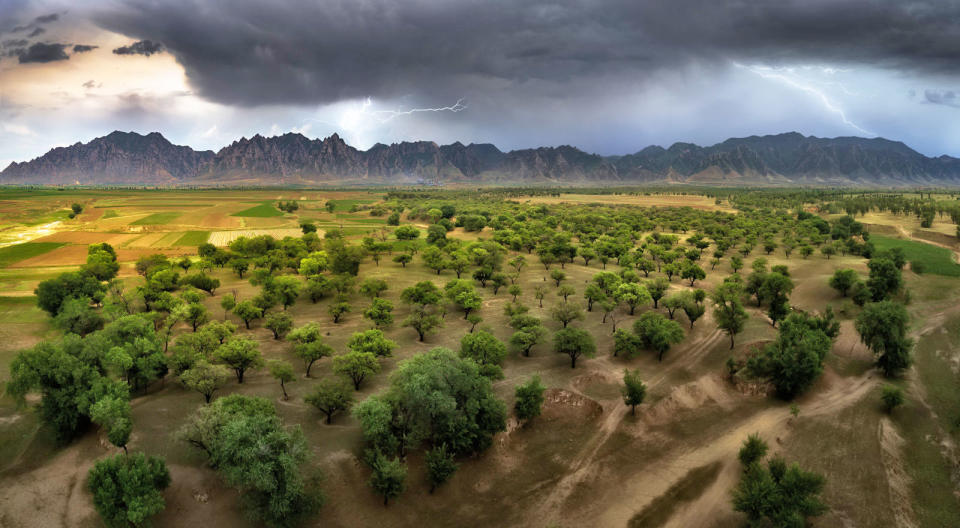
{"x":43,"y":52}
{"x":143,"y":47}
{"x":251,"y":53}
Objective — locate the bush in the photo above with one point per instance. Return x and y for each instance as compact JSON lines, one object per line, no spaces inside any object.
{"x":892,"y":397}
{"x":127,"y":489}
{"x":917,"y":267}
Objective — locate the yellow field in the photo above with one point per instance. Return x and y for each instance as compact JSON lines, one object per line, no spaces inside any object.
{"x":653,"y":200}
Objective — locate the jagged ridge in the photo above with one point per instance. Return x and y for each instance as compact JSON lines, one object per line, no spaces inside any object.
{"x":131,"y":158}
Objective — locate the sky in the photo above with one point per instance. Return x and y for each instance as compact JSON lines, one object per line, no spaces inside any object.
{"x":607,"y":76}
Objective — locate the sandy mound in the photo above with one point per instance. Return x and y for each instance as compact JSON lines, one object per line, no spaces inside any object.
{"x":563,"y":405}
{"x":709,"y":389}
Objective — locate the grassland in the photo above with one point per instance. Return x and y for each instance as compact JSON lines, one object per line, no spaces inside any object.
{"x":156,"y":219}
{"x":193,"y":238}
{"x":935,"y":259}
{"x":264,"y":210}
{"x":16,"y":253}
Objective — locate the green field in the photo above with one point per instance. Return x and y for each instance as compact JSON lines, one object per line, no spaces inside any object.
{"x":13,"y":254}
{"x":157,"y":219}
{"x":341,"y":206}
{"x":193,"y":238}
{"x":264,"y":210}
{"x":109,"y":213}
{"x":935,"y":259}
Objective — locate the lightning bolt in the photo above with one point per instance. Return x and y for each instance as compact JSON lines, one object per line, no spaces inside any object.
{"x":388,"y":115}
{"x":783,"y":76}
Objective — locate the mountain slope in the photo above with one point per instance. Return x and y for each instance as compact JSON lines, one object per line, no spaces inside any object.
{"x":791,"y":158}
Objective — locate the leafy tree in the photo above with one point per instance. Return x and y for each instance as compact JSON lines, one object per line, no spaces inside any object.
{"x":373,"y":287}
{"x":78,"y":317}
{"x":692,"y":309}
{"x":102,"y":261}
{"x":440,"y":466}
{"x":674,"y":302}
{"x":403,"y":259}
{"x":593,"y":293}
{"x":128,"y":489}
{"x":389,"y":476}
{"x":657,"y":333}
{"x":693,"y":273}
{"x":331,"y":396}
{"x":529,"y":399}
{"x":434,"y":259}
{"x":423,"y":321}
{"x":883,"y":329}
{"x":633,"y":295}
{"x":843,"y":280}
{"x":247,"y":311}
{"x":372,"y":341}
{"x":463,"y":295}
{"x":380,"y":313}
{"x":52,"y":293}
{"x":202,"y":281}
{"x":634,"y":390}
{"x":241,"y":355}
{"x":566,"y":291}
{"x":486,"y":350}
{"x":113,"y":414}
{"x":196,"y":315}
{"x":892,"y":397}
{"x":338,"y":309}
{"x":885,"y":278}
{"x":753,"y":450}
{"x":204,"y":378}
{"x":283,"y":372}
{"x":356,"y":365}
{"x":228,"y":303}
{"x":423,"y":293}
{"x":239,"y":266}
{"x":558,"y":276}
{"x":287,"y":289}
{"x":566,"y":312}
{"x":133,"y":350}
{"x":527,"y":337}
{"x":539,"y":293}
{"x":775,"y":289}
{"x":779,"y":495}
{"x":795,"y":359}
{"x":574,"y":342}
{"x":279,"y":323}
{"x":728,"y":311}
{"x":309,"y":345}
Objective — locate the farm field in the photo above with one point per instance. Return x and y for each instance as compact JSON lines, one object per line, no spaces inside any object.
{"x":586,"y":460}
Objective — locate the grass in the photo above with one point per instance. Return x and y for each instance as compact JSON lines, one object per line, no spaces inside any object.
{"x":13,"y":254}
{"x":341,"y":206}
{"x":264,"y":210}
{"x":157,"y":219}
{"x":193,"y":238}
{"x":935,"y":259}
{"x":109,"y":213}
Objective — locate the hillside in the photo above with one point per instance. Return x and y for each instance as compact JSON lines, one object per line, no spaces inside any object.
{"x":791,"y":158}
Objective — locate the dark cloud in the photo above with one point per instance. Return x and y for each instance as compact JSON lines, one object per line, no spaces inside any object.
{"x":15,"y":43}
{"x":83,"y":48}
{"x":249,"y":53}
{"x":46,"y":19}
{"x":143,"y":47}
{"x":34,"y":26}
{"x":942,"y":97}
{"x":43,"y":52}
{"x":36,"y":31}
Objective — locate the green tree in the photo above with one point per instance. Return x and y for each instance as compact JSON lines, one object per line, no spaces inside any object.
{"x":287,"y":289}
{"x":753,"y":450}
{"x":372,"y":341}
{"x":633,"y":295}
{"x":575,"y":343}
{"x":241,"y":355}
{"x":795,"y":359}
{"x":566,"y":312}
{"x":440,"y":466}
{"x":892,"y":397}
{"x":331,"y":396}
{"x":423,"y":321}
{"x":634,"y":390}
{"x":657,"y":333}
{"x":657,"y":288}
{"x":380,"y":313}
{"x":338,"y":308}
{"x":883,"y":329}
{"x":205,"y":378}
{"x":529,"y":399}
{"x":728,"y":310}
{"x":843,"y":280}
{"x":247,"y":311}
{"x":885,"y":278}
{"x":389,"y":477}
{"x":356,"y":366}
{"x":128,"y":489}
{"x":282,"y":371}
{"x":309,"y":345}
{"x":279,"y":323}
{"x":778,"y":495}
{"x":486,"y":350}
{"x":77,"y":316}
{"x":113,"y":414}
{"x":373,"y":287}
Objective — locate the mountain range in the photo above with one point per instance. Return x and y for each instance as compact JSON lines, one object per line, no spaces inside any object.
{"x":129,"y":158}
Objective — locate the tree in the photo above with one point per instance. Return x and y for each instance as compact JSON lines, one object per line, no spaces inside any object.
{"x":693,"y":309}
{"x":566,"y":312}
{"x":239,"y":266}
{"x":380,"y":313}
{"x":403,"y":259}
{"x":372,"y":341}
{"x":529,"y":399}
{"x":795,"y":359}
{"x":843,"y":279}
{"x":434,"y":259}
{"x":778,"y":495}
{"x":204,"y":378}
{"x":693,"y":273}
{"x":486,"y":350}
{"x":52,"y":293}
{"x":338,"y":308}
{"x":885,"y":278}
{"x":574,"y":342}
{"x":247,"y":311}
{"x":228,"y":303}
{"x":389,"y":476}
{"x":883,"y":329}
{"x":373,"y":287}
{"x":128,"y":489}
{"x":463,"y":295}
{"x":728,"y":311}
{"x":633,"y":295}
{"x":440,"y":466}
{"x":566,"y":291}
{"x":309,"y":345}
{"x":356,"y":365}
{"x":279,"y":323}
{"x":558,"y":276}
{"x":634,"y":390}
{"x":539,"y":293}
{"x":753,"y":449}
{"x":657,"y":333}
{"x":112,"y":413}
{"x":593,"y":293}
{"x":77,"y":316}
{"x":423,"y":293}
{"x":241,"y":355}
{"x":283,"y":372}
{"x":528,"y":337}
{"x":287,"y":289}
{"x":674,"y":302}
{"x":330,"y":397}
{"x":892,"y":397}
